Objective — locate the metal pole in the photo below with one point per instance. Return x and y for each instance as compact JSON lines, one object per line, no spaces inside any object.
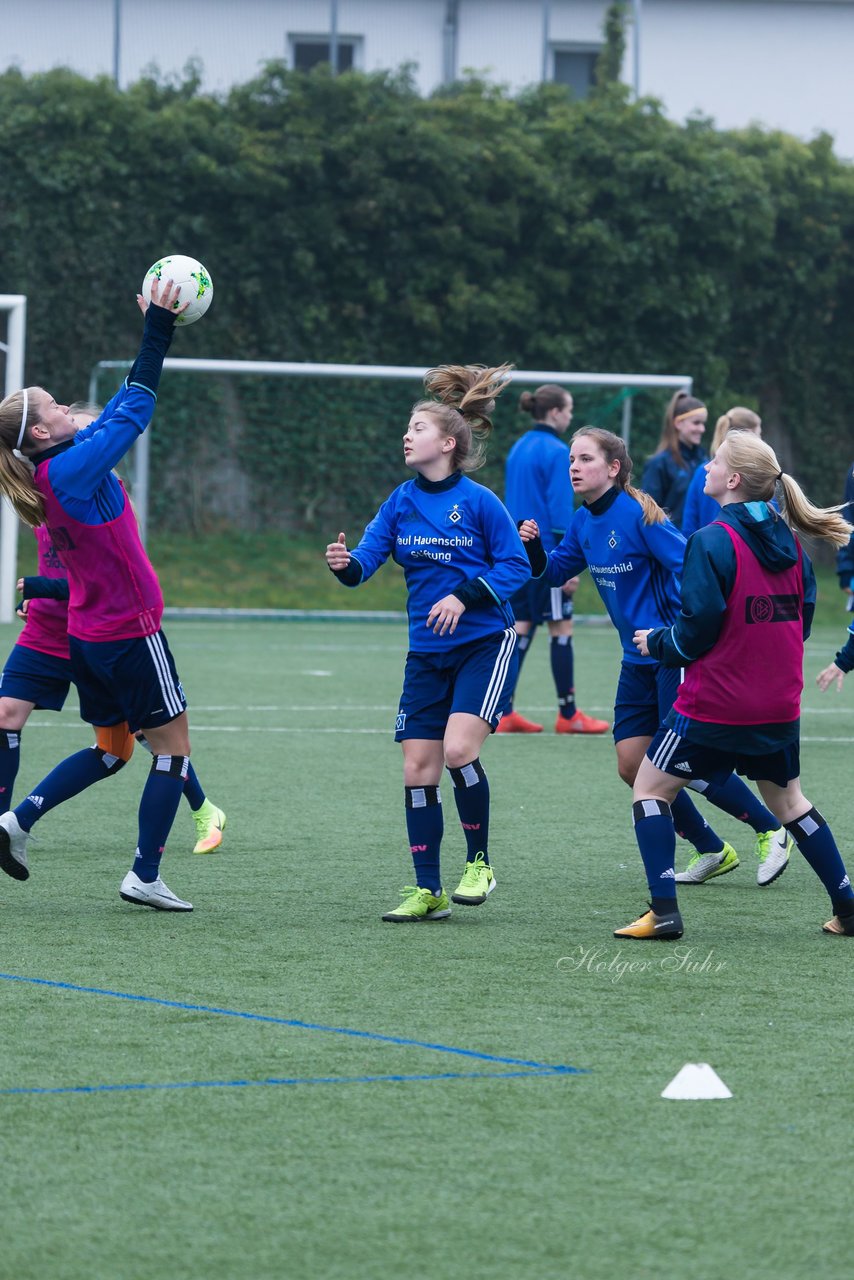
{"x":636,"y":47}
{"x":333,"y":36}
{"x":627,"y":422}
{"x":16,"y":334}
{"x":141,"y":472}
{"x":547,"y":14}
{"x":117,"y":41}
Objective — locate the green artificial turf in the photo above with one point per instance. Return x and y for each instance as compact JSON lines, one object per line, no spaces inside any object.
{"x":220,"y":1176}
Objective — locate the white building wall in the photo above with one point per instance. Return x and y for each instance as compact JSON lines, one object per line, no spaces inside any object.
{"x":783,"y":63}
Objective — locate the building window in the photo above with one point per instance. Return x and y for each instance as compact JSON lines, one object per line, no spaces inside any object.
{"x":575,"y":65}
{"x":309,"y":51}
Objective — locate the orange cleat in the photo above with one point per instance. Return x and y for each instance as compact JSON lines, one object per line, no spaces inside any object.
{"x":581,"y":722}
{"x":845,"y":928}
{"x":668,"y":928}
{"x":514,"y":723}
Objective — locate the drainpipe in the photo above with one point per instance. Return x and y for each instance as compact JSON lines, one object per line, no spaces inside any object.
{"x":450,"y":32}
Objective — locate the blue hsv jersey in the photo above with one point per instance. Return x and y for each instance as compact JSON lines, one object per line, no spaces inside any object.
{"x":450,"y":537}
{"x":81,"y":473}
{"x":537,"y":483}
{"x":635,"y":566}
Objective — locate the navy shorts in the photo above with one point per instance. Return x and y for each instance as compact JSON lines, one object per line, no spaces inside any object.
{"x":133,"y":680}
{"x":36,"y":677}
{"x":538,"y":602}
{"x":473,"y":678}
{"x":689,"y":760}
{"x":645,"y":694}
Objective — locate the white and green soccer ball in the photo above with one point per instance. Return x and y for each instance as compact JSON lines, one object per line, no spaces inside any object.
{"x":193,"y":280}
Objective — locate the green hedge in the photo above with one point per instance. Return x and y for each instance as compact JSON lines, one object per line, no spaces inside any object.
{"x":349,"y":219}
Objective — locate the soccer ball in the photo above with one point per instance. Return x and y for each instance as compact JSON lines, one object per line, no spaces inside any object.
{"x":193,"y":280}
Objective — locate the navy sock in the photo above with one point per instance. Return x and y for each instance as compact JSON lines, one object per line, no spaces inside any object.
{"x":194,"y":792}
{"x":10,"y":759}
{"x":656,"y":837}
{"x":425,"y":824}
{"x":735,"y":797}
{"x":692,"y":826}
{"x":815,"y":840}
{"x":563,"y":674}
{"x":157,"y":808}
{"x":69,"y":778}
{"x":471,"y":792}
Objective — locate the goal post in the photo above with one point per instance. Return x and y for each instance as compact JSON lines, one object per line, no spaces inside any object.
{"x":627,"y":383}
{"x":15,"y":305}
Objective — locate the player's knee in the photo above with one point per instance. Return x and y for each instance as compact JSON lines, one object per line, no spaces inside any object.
{"x":173,"y":766}
{"x":627,"y":769}
{"x":111,"y":763}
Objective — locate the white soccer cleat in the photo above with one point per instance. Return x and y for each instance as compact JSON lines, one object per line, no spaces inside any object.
{"x":772,"y":849}
{"x":13,"y":847}
{"x":156,"y":894}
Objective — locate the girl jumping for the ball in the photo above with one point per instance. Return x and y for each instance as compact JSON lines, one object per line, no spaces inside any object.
{"x":120,"y":660}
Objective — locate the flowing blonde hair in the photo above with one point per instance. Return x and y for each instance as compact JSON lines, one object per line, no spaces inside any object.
{"x":614,"y":449}
{"x":755,"y":462}
{"x":736,"y":419}
{"x":464,"y":402}
{"x":16,"y":475}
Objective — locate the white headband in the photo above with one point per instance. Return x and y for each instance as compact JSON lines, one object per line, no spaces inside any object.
{"x":23,"y":419}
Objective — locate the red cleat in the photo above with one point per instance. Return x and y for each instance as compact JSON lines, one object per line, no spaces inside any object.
{"x":514,"y":723}
{"x":581,"y":723}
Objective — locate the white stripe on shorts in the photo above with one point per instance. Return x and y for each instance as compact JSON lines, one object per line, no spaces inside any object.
{"x":668,"y":746}
{"x":171,"y":701}
{"x":556,"y":598}
{"x":499,"y":675}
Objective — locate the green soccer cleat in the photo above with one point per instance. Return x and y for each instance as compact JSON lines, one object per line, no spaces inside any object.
{"x":772,"y":850}
{"x":476,"y":885}
{"x":704,"y":866}
{"x":210,"y":824}
{"x":419,"y":904}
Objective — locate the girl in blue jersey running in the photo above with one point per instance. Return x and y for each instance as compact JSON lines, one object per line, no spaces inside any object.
{"x":635,"y":554}
{"x":462,"y":559}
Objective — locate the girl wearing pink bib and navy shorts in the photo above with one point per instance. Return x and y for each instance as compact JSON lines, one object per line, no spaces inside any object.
{"x":120,"y":660}
{"x":748,"y":597}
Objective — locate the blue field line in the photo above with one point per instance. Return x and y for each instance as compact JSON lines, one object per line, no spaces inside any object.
{"x":424,"y":1077}
{"x":529,"y":1067}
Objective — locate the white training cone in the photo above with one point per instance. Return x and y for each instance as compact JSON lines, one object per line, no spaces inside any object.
{"x":696,"y":1080}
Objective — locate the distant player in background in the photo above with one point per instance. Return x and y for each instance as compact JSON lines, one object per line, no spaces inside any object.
{"x":845,"y":555}
{"x":635,"y":556}
{"x":700,"y":509}
{"x":668,"y":472}
{"x":120,"y":660}
{"x":37,"y":675}
{"x":462,"y":560}
{"x":748,"y":595}
{"x":537,"y":485}
{"x":841,"y":665}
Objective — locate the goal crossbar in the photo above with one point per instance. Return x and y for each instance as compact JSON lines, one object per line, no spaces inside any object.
{"x":630,"y":382}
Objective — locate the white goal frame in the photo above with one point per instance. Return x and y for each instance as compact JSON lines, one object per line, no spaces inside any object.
{"x":16,"y":328}
{"x":629,"y":382}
